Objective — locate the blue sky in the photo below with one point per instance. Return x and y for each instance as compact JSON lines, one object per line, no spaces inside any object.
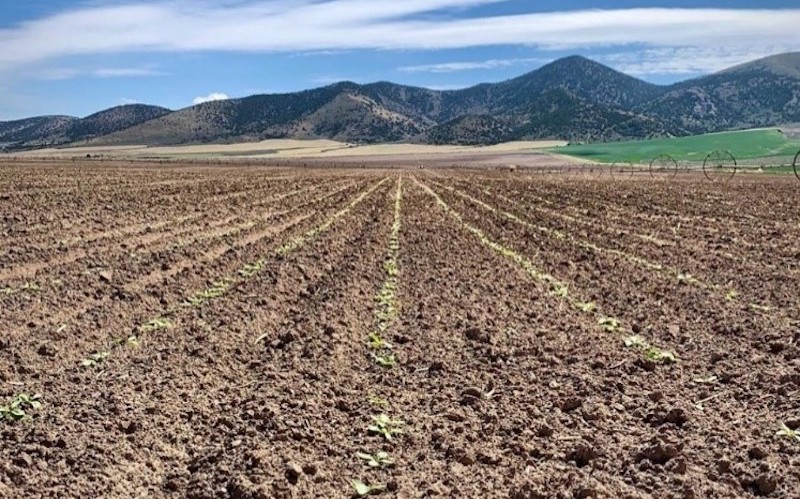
{"x":78,"y":57}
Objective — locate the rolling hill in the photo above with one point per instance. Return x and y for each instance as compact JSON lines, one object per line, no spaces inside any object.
{"x":58,"y":130}
{"x":572,"y":98}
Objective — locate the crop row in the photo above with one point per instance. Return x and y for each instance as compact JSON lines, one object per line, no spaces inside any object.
{"x":680,"y":276}
{"x":556,"y":287}
{"x":382,"y":353}
{"x":729,"y":293}
{"x":221,"y":286}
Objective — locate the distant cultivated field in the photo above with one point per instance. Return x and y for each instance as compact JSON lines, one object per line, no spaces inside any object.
{"x":771,"y":146}
{"x":285,"y":148}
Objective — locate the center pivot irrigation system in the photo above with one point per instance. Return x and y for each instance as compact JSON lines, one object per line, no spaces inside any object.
{"x":718,"y":166}
{"x":794,"y":165}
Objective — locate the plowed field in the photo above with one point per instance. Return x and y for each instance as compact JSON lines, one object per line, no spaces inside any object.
{"x":257,"y":333}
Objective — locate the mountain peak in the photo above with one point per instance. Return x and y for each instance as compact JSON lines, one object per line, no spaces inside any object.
{"x":787,"y":64}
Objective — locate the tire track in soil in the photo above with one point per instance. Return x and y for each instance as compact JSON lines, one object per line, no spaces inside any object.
{"x":193,"y":383}
{"x":98,"y":324}
{"x":598,"y":416}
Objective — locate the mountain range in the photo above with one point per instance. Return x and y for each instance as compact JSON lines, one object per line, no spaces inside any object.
{"x":573,"y":99}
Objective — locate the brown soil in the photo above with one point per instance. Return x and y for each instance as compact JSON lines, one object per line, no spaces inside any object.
{"x":515,"y":293}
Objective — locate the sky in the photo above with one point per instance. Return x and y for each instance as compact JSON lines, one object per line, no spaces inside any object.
{"x":78,"y":57}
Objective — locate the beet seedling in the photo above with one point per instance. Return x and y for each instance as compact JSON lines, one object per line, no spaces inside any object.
{"x":155,"y":325}
{"x":385,"y":426}
{"x":663,"y":356}
{"x":651,"y":353}
{"x":95,"y":360}
{"x":131,"y":341}
{"x":635,"y":342}
{"x":30,"y":287}
{"x":385,"y":360}
{"x":789,"y":433}
{"x":252,"y":269}
{"x":217,"y":289}
{"x":560,"y":291}
{"x":15,"y":410}
{"x":378,"y":460}
{"x":610,"y":324}
{"x":379,"y":402}
{"x":376,"y":342}
{"x":363,"y":490}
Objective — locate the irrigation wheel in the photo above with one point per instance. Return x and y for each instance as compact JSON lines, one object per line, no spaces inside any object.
{"x":795,"y":165}
{"x":624,"y":169}
{"x":719,"y":162}
{"x":662,"y":164}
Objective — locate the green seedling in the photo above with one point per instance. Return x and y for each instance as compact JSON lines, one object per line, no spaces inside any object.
{"x":30,"y":287}
{"x":687,"y":279}
{"x":706,"y":381}
{"x":586,"y":307}
{"x":379,"y":402}
{"x":731,"y":295}
{"x":155,"y":325}
{"x":215,"y":291}
{"x":385,"y":360}
{"x":378,"y":460}
{"x":789,"y":433}
{"x":760,"y":308}
{"x":663,"y":356}
{"x":610,"y":324}
{"x":376,"y":342}
{"x":95,"y":360}
{"x":252,"y":269}
{"x":385,"y":426}
{"x":364,"y":490}
{"x":560,"y":290}
{"x":390,"y":266}
{"x":15,"y":410}
{"x":635,"y":342}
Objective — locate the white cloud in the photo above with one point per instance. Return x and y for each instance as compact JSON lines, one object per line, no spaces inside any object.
{"x":452,"y":67}
{"x":213,"y":96}
{"x":293,"y":26}
{"x":124,"y":72}
{"x":126,"y":101}
{"x":70,"y":73}
{"x":686,"y":60}
{"x":445,"y":87}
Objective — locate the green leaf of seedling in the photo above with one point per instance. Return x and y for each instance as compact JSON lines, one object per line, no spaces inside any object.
{"x":610,"y":324}
{"x":789,"y":433}
{"x":663,"y":356}
{"x":363,"y":490}
{"x":635,"y":342}
{"x":385,"y":360}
